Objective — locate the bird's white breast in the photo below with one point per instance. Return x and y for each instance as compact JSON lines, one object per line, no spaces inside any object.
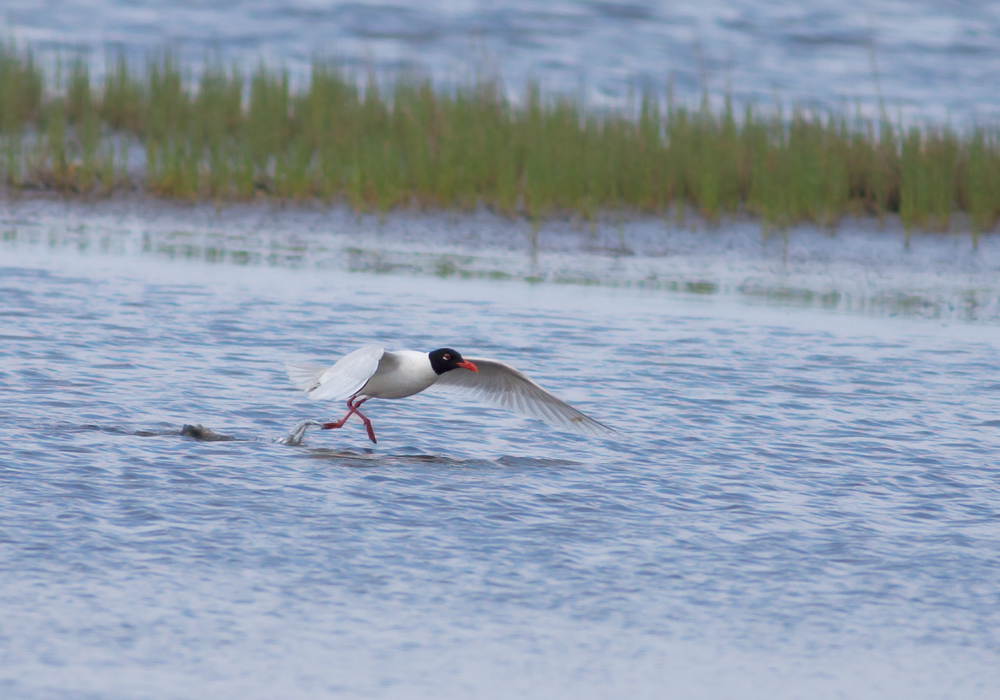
{"x":400,"y":373}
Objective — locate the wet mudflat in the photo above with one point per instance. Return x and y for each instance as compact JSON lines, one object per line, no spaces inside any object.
{"x":804,"y":502}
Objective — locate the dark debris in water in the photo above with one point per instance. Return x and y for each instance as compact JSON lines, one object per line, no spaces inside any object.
{"x":200,"y":432}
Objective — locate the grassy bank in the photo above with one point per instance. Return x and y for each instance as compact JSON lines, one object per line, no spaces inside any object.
{"x":380,"y":144}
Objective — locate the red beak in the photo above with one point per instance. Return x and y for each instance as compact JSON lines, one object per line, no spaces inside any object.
{"x":465,"y":364}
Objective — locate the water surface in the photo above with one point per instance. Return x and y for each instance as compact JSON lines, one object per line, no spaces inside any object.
{"x":804,"y":501}
{"x":934,"y":58}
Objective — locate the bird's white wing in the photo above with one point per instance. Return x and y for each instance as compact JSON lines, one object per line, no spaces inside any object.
{"x":504,"y":386}
{"x":341,"y":381}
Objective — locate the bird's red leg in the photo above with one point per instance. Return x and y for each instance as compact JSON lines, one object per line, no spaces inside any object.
{"x":353,"y":410}
{"x":350,"y":405}
{"x":368,"y":423}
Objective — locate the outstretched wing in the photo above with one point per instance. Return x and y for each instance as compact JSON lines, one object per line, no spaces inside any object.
{"x":501,"y":385}
{"x":341,"y":381}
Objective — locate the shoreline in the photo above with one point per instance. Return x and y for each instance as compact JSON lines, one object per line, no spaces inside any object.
{"x":857,"y":269}
{"x":391,"y":142}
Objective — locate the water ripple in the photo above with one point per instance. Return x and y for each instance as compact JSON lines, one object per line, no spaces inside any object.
{"x":792,"y":486}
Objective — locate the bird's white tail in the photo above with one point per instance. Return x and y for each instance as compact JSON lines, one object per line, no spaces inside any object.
{"x":303,"y":376}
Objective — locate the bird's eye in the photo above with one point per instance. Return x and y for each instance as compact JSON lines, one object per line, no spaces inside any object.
{"x":447,"y":356}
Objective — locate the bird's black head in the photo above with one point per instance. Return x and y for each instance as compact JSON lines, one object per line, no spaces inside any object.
{"x":446,"y":359}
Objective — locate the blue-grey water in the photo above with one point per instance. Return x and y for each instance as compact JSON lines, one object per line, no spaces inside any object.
{"x":803,"y":503}
{"x":934,"y":59}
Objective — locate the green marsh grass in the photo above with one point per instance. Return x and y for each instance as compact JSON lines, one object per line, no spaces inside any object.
{"x":379,"y":142}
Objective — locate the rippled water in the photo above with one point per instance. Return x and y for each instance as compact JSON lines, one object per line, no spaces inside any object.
{"x":804,"y":502}
{"x":935,"y":58}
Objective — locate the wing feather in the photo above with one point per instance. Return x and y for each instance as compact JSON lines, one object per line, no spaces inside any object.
{"x":501,"y":385}
{"x":342,"y":380}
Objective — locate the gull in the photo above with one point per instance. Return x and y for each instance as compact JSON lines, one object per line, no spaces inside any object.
{"x":372,"y":372}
